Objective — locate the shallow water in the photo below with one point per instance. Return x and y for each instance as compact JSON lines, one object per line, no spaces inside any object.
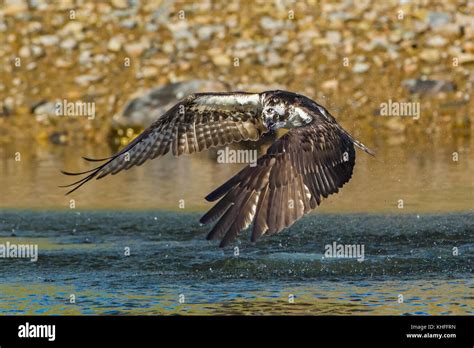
{"x":82,"y":253}
{"x":425,"y":177}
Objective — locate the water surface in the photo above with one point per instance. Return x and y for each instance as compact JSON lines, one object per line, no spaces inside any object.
{"x":83,"y":253}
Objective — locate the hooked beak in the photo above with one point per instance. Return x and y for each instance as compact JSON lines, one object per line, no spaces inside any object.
{"x":271,"y":125}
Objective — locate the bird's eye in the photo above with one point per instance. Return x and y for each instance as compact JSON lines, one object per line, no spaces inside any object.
{"x":271,"y":110}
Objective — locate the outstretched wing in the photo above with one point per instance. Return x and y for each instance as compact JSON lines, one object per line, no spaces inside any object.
{"x":198,"y":122}
{"x":304,"y":165}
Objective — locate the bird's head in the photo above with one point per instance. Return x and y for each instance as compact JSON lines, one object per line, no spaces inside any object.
{"x":283,"y":109}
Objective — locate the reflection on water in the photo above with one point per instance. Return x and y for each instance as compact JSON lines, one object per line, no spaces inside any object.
{"x":318,"y":298}
{"x":425,"y":177}
{"x":83,"y":253}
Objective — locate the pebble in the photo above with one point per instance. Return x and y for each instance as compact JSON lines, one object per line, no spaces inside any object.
{"x":206,"y":32}
{"x":85,"y":80}
{"x":269,"y":23}
{"x":330,"y":85}
{"x":121,"y":4}
{"x":436,"y":41}
{"x":135,"y":48}
{"x":37,"y":51}
{"x":333,"y":37}
{"x":128,"y":23}
{"x":148,"y":72}
{"x":430,"y":55}
{"x":48,"y":40}
{"x":69,"y":44}
{"x":73,"y":27}
{"x":221,"y":60}
{"x":466,"y":58}
{"x":85,"y":57}
{"x":63,"y":63}
{"x":437,"y":19}
{"x":24,"y":52}
{"x":424,"y":86}
{"x":44,"y":108}
{"x":360,"y":68}
{"x":115,"y":44}
{"x":273,"y":59}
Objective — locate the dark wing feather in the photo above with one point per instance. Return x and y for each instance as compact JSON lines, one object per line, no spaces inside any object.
{"x":198,"y":122}
{"x":288,"y":181}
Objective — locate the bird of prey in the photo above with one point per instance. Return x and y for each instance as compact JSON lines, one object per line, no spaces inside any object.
{"x":314,"y":159}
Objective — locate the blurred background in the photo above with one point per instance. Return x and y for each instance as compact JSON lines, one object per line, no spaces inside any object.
{"x":350,"y":56}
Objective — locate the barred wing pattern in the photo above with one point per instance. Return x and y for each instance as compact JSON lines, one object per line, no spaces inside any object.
{"x":288,"y":181}
{"x":198,"y":122}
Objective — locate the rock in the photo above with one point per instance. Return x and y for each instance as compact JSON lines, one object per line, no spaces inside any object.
{"x":410,"y":67}
{"x":102,"y":58}
{"x":436,"y":41}
{"x":115,"y":44}
{"x":464,"y":20}
{"x":69,"y":44}
{"x":179,"y":30}
{"x":5,"y":111}
{"x":48,"y":40}
{"x":63,"y":63}
{"x":24,"y":52}
{"x":120,"y":4}
{"x":205,"y":32}
{"x":360,"y":68}
{"x":269,"y":23}
{"x":221,"y":60}
{"x":427,"y":87}
{"x":162,"y":12}
{"x":147,"y":72}
{"x":135,"y":48}
{"x":468,"y":46}
{"x":430,"y":55}
{"x":469,"y":33}
{"x":31,"y":66}
{"x":273,"y":59}
{"x":437,"y":19}
{"x":395,"y":124}
{"x":85,"y":80}
{"x":330,"y":85}
{"x":151,"y":27}
{"x":450,"y":30}
{"x":333,"y":37}
{"x":142,"y":110}
{"x":128,"y":23}
{"x":44,"y":108}
{"x":37,"y":51}
{"x":161,"y":61}
{"x":73,"y":28}
{"x":58,"y":138}
{"x":466,"y":58}
{"x":85,"y":57}
{"x":15,"y":8}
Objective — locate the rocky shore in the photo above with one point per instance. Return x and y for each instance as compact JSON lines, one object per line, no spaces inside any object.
{"x":351,"y":56}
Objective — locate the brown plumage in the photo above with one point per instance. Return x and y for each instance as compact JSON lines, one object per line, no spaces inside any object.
{"x":313,"y":160}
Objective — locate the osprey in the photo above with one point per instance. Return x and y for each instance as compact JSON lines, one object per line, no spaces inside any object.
{"x":314,"y":159}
